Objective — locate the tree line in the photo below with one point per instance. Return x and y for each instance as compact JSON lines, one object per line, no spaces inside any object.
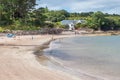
{"x":22,"y":15}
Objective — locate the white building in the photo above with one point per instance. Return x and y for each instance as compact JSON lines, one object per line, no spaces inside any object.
{"x":71,"y":26}
{"x":71,"y":23}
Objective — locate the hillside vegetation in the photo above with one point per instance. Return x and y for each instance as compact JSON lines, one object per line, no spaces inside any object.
{"x":22,"y":15}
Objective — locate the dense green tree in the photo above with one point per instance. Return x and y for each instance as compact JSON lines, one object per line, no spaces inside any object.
{"x":58,"y":15}
{"x":100,"y":22}
{"x":98,"y":19}
{"x":39,"y":16}
{"x":11,"y":9}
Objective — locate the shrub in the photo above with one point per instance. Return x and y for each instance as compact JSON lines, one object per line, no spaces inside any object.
{"x":2,"y":29}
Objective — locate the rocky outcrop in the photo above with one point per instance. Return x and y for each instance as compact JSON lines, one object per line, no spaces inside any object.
{"x":36,"y":32}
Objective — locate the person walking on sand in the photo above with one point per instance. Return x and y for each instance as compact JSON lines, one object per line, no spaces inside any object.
{"x":32,"y":37}
{"x":75,"y":32}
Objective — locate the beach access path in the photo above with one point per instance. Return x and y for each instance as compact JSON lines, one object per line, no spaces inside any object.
{"x":17,"y":61}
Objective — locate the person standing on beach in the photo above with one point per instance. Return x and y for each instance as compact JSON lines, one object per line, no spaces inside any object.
{"x":32,"y":37}
{"x":75,"y":32}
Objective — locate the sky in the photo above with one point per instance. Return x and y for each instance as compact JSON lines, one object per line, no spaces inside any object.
{"x":106,"y":6}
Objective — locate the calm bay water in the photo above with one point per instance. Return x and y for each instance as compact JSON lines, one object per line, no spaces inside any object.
{"x":91,"y":58}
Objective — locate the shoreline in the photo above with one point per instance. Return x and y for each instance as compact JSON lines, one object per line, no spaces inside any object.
{"x":18,"y":60}
{"x":20,"y":57}
{"x":39,"y":53}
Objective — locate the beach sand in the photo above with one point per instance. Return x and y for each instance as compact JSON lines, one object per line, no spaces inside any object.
{"x":19,"y":58}
{"x":17,"y":61}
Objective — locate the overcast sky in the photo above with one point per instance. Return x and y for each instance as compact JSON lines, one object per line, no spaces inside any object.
{"x":107,"y":6}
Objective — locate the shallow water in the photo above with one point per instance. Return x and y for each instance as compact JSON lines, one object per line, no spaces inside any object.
{"x":91,"y":58}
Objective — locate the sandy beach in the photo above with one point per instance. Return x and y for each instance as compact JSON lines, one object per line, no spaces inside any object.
{"x":19,"y":57}
{"x":17,"y":61}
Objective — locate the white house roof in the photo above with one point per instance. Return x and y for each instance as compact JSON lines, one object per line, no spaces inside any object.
{"x":65,"y":22}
